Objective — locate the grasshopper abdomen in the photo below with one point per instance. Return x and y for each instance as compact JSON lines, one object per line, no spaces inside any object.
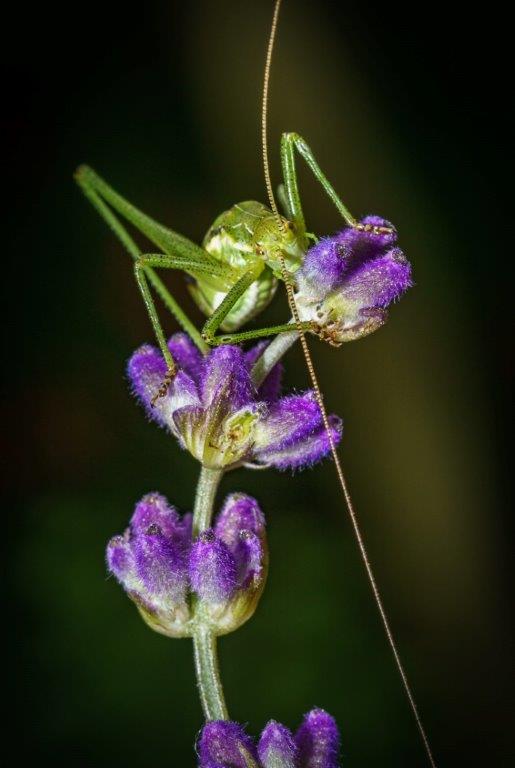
{"x":247,"y":236}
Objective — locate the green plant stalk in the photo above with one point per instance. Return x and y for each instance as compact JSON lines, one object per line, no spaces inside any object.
{"x":205,"y":654}
{"x":207,"y":668}
{"x":271,"y":356}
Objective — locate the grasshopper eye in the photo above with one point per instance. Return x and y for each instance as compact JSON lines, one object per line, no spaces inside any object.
{"x":260,"y":251}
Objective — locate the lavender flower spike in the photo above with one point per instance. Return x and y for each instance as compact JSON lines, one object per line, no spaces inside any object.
{"x":347,"y":281}
{"x":215,"y":412}
{"x":225,"y":744}
{"x":161,"y":568}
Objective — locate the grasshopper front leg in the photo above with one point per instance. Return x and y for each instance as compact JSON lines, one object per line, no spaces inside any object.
{"x":219,"y":315}
{"x":289,"y":143}
{"x":146,"y":262}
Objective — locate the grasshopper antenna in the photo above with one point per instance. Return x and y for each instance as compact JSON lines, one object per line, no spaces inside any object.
{"x":320,"y":400}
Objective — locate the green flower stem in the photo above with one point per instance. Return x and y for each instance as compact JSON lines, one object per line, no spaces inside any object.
{"x":204,"y":641}
{"x":208,"y":674}
{"x":272,"y":354}
{"x":207,"y":486}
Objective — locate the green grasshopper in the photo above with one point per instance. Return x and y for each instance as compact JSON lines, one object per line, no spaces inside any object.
{"x":235,"y":273}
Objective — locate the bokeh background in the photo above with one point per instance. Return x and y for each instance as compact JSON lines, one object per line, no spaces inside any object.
{"x":404,"y":114}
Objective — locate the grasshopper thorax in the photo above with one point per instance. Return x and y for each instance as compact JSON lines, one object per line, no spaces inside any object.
{"x":248,"y":236}
{"x":250,"y":233}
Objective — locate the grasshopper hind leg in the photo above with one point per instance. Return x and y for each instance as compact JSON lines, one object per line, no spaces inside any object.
{"x":110,"y":205}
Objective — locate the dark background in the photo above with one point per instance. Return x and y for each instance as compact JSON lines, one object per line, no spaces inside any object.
{"x":406,"y":113}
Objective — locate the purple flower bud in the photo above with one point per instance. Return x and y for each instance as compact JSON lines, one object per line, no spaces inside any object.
{"x":251,"y":559}
{"x":120,"y":560}
{"x":229,"y":564}
{"x":225,"y":380}
{"x":215,"y":412}
{"x":225,"y":744}
{"x":212,"y":569}
{"x":151,"y":562}
{"x":241,"y":525}
{"x":329,"y":263}
{"x":153,"y":509}
{"x":276,"y":747}
{"x":348,"y":280}
{"x":159,"y":565}
{"x":318,"y":740}
{"x":294,"y":435}
{"x":239,"y":512}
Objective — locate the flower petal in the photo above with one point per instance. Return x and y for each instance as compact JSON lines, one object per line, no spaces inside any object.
{"x":225,"y":381}
{"x":146,"y":370}
{"x":161,"y":564}
{"x":303,"y":452}
{"x":182,"y":391}
{"x":318,"y":741}
{"x":250,"y":559}
{"x":186,"y":355}
{"x":293,"y":433}
{"x":212,"y":569}
{"x":290,"y":419}
{"x":379,"y":281}
{"x":153,"y":509}
{"x":189,"y":426}
{"x":239,"y":512}
{"x":276,"y":747}
{"x":224,"y":744}
{"x":241,"y":526}
{"x":120,"y":561}
{"x":322,"y":270}
{"x":329,"y":264}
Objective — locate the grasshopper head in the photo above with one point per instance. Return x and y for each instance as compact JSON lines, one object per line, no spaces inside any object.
{"x":275,"y":237}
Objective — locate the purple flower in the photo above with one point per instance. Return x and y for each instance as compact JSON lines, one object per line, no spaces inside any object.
{"x":161,"y":567}
{"x":212,"y":569}
{"x":228,"y":564}
{"x":348,"y":280}
{"x":318,"y":740}
{"x":216,"y":413}
{"x":224,"y":744}
{"x":151,"y":559}
{"x":277,"y":747}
